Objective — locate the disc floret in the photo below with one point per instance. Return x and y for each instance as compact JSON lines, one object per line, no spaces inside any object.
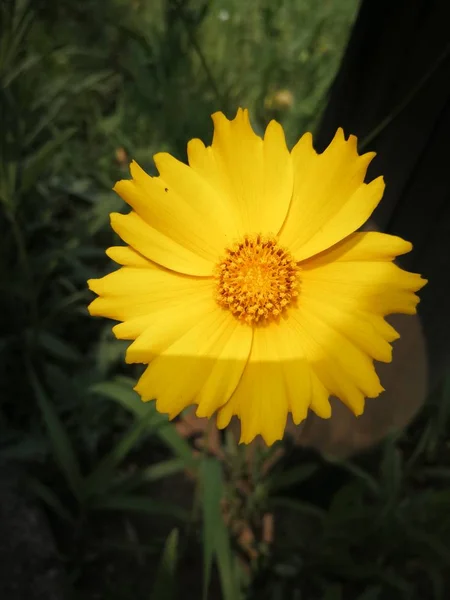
{"x":257,"y":279}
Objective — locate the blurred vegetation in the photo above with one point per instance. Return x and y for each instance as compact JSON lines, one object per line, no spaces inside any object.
{"x":85,"y":86}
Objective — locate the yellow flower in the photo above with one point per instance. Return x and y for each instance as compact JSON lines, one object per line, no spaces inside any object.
{"x":244,"y":285}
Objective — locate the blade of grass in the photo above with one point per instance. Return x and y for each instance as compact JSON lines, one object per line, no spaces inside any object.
{"x":216,"y":540}
{"x":285,"y":479}
{"x":165,"y":584}
{"x":155,"y":472}
{"x":46,"y":495}
{"x":121,"y":390}
{"x":36,"y":163}
{"x":297,"y":505}
{"x":226,"y":564}
{"x":212,"y":488}
{"x":102,"y":477}
{"x":62,"y":447}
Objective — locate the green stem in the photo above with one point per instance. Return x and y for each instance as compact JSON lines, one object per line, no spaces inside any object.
{"x":197,"y":48}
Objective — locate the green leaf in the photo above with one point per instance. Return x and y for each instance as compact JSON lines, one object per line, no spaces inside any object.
{"x":155,"y":472}
{"x":363,"y":476}
{"x":62,"y":448}
{"x":139,"y":504}
{"x":28,"y":448}
{"x":36,"y":163}
{"x":212,"y":490}
{"x":430,"y":542}
{"x":57,"y":347}
{"x":216,"y":540}
{"x":226,"y":564}
{"x":285,"y":479}
{"x":121,"y":390}
{"x":102,"y":478}
{"x":165,"y":584}
{"x":49,"y":498}
{"x":297,"y":505}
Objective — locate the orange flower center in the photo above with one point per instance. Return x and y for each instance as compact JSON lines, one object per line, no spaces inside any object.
{"x":256,"y":279}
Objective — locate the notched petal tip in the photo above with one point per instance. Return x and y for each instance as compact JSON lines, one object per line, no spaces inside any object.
{"x":195,"y":144}
{"x":137,"y":171}
{"x":404,"y":247}
{"x":124,"y":188}
{"x":338,"y":138}
{"x":144,"y":397}
{"x":115,"y":218}
{"x":358,"y":411}
{"x":274,"y":129}
{"x":91,"y":284}
{"x":219,"y":117}
{"x":242,"y":113}
{"x":119,"y":184}
{"x":376,"y":187}
{"x":242,"y":117}
{"x":304,"y":144}
{"x":322,"y":410}
{"x":92,"y":308}
{"x":367,"y":158}
{"x":422,"y":282}
{"x":163,"y":159}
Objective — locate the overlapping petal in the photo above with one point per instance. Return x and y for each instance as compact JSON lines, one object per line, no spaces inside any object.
{"x":202,"y":366}
{"x":178,"y":221}
{"x":149,"y":299}
{"x":254,"y":175}
{"x":330,"y":199}
{"x":277,"y":380}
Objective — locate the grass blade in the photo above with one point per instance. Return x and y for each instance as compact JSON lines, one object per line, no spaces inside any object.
{"x":285,"y":479}
{"x":121,"y":390}
{"x":102,"y":478}
{"x":165,"y":584}
{"x":160,"y":470}
{"x":46,"y":495}
{"x":62,"y":447}
{"x":216,"y":541}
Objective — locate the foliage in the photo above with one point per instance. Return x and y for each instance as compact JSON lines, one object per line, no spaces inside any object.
{"x":84,"y":86}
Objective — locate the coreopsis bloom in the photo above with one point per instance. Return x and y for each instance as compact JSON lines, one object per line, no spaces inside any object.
{"x":244,"y":286}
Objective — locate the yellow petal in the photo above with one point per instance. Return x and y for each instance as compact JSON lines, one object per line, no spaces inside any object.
{"x":127,"y":257}
{"x":260,"y":400}
{"x":202,"y":366}
{"x":276,"y":380}
{"x":329,"y":200}
{"x":158,"y":247}
{"x":208,"y":212}
{"x":344,"y":370}
{"x":380,"y":288}
{"x":364,"y":246}
{"x":180,"y":209}
{"x":351,"y":293}
{"x":355,"y":325}
{"x":135,"y":293}
{"x":253,"y":175}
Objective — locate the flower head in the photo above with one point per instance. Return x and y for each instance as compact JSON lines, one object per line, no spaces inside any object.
{"x":243,"y":284}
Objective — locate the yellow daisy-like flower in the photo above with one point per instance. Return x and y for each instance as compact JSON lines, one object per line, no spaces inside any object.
{"x":244,"y":285}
